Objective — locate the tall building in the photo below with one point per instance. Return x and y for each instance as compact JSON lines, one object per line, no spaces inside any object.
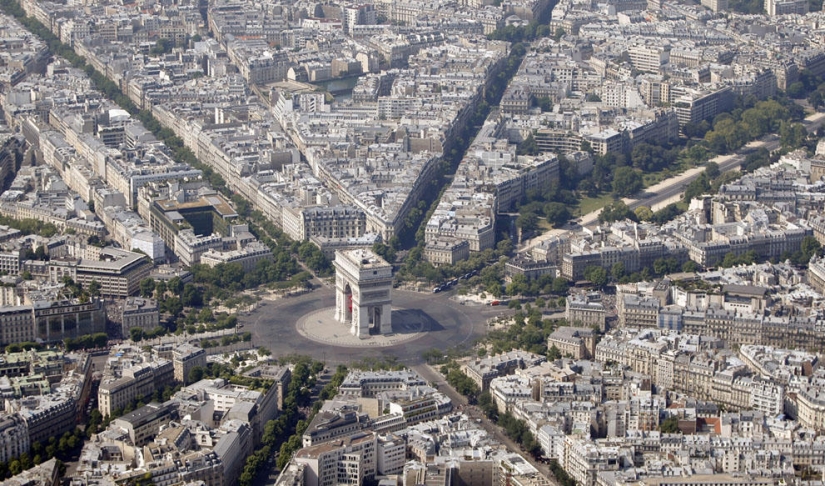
{"x":186,"y":357}
{"x":786,"y":7}
{"x":716,"y":5}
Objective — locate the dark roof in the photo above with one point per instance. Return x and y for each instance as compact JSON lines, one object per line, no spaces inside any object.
{"x":745,"y":290}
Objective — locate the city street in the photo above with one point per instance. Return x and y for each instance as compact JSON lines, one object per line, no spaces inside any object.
{"x":475,"y":414}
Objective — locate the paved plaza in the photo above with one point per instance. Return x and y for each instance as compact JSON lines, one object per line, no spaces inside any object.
{"x":320,"y":326}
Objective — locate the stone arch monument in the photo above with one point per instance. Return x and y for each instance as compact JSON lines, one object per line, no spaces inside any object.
{"x":363,"y":292}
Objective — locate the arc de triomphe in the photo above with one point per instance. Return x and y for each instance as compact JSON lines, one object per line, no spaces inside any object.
{"x":363,"y":292}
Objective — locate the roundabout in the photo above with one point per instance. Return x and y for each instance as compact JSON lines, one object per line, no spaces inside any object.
{"x":306,"y":325}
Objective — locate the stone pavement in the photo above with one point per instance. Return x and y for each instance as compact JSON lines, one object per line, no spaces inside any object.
{"x":321,"y":326}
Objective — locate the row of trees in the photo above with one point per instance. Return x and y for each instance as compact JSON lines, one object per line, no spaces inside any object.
{"x":516,"y":429}
{"x":62,"y":448}
{"x":486,"y":262}
{"x":808,"y":248}
{"x":545,"y":284}
{"x":181,"y":154}
{"x":226,"y":340}
{"x":456,"y":149}
{"x":89,"y":341}
{"x":461,"y":382}
{"x":25,"y":346}
{"x":288,"y":427}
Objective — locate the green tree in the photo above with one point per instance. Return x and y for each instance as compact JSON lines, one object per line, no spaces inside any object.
{"x":553,"y":353}
{"x":195,"y":374}
{"x":162,"y":46}
{"x":147,"y":287}
{"x":94,"y":288}
{"x":697,"y":187}
{"x":175,"y":285}
{"x":670,"y":425}
{"x":545,"y":104}
{"x":792,"y":135}
{"x":809,"y":247}
{"x":616,"y":211}
{"x":626,"y":182}
{"x":644,"y":213}
{"x":192,"y":296}
{"x":558,"y":214}
{"x":796,"y":90}
{"x":560,"y":285}
{"x":815,"y":99}
{"x":712,"y":170}
{"x":518,"y":285}
{"x":528,"y":222}
{"x":618,"y":270}
{"x":136,"y":334}
{"x":596,"y":275}
{"x":205,"y":315}
{"x":160,"y":288}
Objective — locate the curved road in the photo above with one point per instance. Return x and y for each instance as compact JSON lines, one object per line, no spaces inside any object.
{"x":273,"y":325}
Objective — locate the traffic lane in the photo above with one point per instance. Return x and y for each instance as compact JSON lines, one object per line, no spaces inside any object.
{"x":273,"y":325}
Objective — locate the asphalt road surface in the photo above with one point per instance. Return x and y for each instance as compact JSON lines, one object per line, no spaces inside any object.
{"x":273,"y":325}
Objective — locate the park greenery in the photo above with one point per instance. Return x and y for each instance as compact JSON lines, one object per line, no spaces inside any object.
{"x":623,"y":174}
{"x":528,"y":332}
{"x":488,"y":263}
{"x":708,"y":183}
{"x":30,"y":226}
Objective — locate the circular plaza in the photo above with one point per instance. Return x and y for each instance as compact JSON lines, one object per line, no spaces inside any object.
{"x":306,"y":325}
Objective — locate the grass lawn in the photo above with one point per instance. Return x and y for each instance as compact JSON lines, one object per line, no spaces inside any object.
{"x":590,"y":204}
{"x":544,"y":226}
{"x":653,"y":178}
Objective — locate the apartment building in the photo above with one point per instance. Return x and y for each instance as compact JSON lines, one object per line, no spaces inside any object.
{"x":141,"y":313}
{"x":348,"y":461}
{"x":185,"y":357}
